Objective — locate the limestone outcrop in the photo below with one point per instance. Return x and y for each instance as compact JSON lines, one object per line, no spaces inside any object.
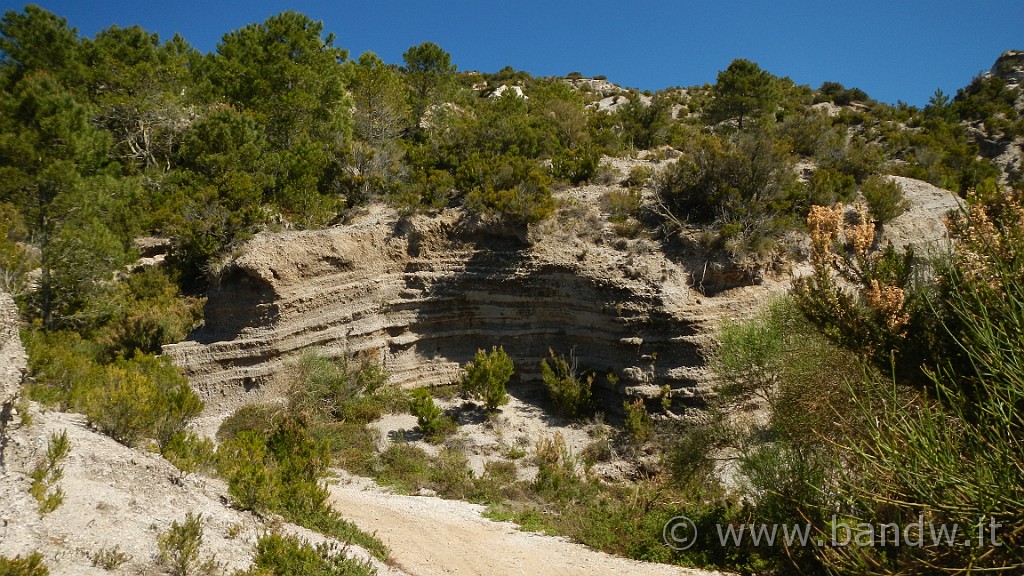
{"x":422,"y":294}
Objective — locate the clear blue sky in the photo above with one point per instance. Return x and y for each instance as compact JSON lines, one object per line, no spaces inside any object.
{"x":892,"y":49}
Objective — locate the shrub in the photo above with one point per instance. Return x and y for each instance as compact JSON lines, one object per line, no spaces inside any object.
{"x":180,"y":548}
{"x":857,"y":158}
{"x":740,"y":189}
{"x":451,"y":475}
{"x":31,"y":565}
{"x":150,"y":312}
{"x":638,"y":422}
{"x":827,"y":186}
{"x":280,"y":472}
{"x":557,"y":468}
{"x":428,"y":188}
{"x":639,"y":177}
{"x":512,"y":188}
{"x":261,"y":418}
{"x":433,"y":423}
{"x":109,"y":558}
{"x":146,"y":396}
{"x":404,"y":466}
{"x":252,"y":477}
{"x":142,"y":396}
{"x":621,"y":204}
{"x":884,"y":198}
{"x":279,"y":555}
{"x":805,"y":130}
{"x":953,"y":455}
{"x":190,"y":452}
{"x":48,"y":472}
{"x":644,"y":126}
{"x":576,"y":165}
{"x":329,"y":389}
{"x":352,"y":444}
{"x":568,"y":390}
{"x":486,"y":377}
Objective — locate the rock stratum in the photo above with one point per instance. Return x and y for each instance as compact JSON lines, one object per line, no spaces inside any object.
{"x":422,"y":294}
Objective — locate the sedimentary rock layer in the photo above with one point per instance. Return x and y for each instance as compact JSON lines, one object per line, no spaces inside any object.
{"x":422,"y":294}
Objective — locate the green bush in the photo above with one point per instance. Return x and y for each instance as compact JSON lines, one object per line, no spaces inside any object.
{"x":278,"y":555}
{"x":568,"y":389}
{"x":180,"y":548}
{"x":252,"y":477}
{"x":451,"y":475}
{"x":428,"y":188}
{"x":576,"y":166}
{"x":190,"y":453}
{"x":149,"y":312}
{"x":404,"y":466}
{"x":510,"y":187}
{"x":856,"y":157}
{"x":486,"y":377}
{"x":638,"y":422}
{"x":621,"y":204}
{"x":280,"y":472}
{"x":48,"y":472}
{"x":639,"y":177}
{"x":31,"y":565}
{"x":261,"y":418}
{"x":144,"y":396}
{"x":337,"y":389}
{"x":885,"y":199}
{"x":433,"y":423}
{"x":826,"y":186}
{"x":352,"y":444}
{"x":742,"y":190}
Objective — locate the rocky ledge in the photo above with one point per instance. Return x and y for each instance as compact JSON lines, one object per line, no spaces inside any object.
{"x":421,"y":294}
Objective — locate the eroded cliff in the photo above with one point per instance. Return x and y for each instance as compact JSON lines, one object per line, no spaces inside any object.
{"x":422,"y":294}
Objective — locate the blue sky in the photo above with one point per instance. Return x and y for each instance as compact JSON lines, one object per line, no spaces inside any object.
{"x":892,"y":49}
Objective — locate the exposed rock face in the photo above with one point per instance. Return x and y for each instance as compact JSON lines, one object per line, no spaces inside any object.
{"x":517,"y":90}
{"x":1006,"y":153}
{"x":1010,"y":67}
{"x":923,"y":225}
{"x":422,"y":295}
{"x":12,"y":365}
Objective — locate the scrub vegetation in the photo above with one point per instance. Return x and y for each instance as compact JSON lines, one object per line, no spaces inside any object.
{"x":893,"y":386}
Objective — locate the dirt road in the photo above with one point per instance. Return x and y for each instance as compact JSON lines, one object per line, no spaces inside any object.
{"x":431,"y":536}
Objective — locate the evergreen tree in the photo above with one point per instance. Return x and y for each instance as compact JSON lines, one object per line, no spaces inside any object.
{"x":429,"y":71}
{"x":52,"y":167}
{"x":141,"y":89}
{"x":743,"y":91}
{"x":382,"y":111}
{"x":36,"y":40}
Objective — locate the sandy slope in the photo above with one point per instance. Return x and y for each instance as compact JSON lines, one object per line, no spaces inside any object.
{"x":430,"y":536}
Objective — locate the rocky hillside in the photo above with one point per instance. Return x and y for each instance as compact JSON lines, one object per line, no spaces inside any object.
{"x":422,"y":294}
{"x":1006,"y":150}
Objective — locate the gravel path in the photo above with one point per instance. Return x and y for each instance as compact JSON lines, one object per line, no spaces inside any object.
{"x":430,"y":536}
